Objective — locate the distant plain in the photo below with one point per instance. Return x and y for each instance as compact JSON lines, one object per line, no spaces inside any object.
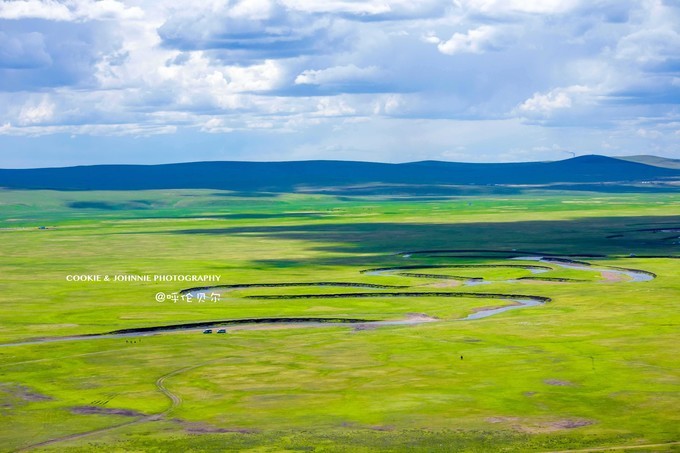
{"x":594,"y":367}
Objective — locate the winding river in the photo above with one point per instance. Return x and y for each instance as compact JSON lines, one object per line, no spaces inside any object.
{"x":634,"y":275}
{"x":516,"y":301}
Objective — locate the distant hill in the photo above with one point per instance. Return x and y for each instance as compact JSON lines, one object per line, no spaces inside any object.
{"x":316,"y":175}
{"x":654,"y":160}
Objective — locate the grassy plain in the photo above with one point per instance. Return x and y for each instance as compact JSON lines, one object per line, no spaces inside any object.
{"x":595,"y":367}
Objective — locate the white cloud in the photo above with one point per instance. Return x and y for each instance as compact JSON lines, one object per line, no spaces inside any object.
{"x":647,"y":133}
{"x":225,"y":125}
{"x":546,"y":103}
{"x":216,"y":126}
{"x":336,"y":75}
{"x":499,"y":7}
{"x":477,"y":40}
{"x":23,"y":51}
{"x":246,"y":30}
{"x":557,"y":99}
{"x":394,"y":9}
{"x":334,"y":106}
{"x":252,"y":9}
{"x":35,"y":113}
{"x":68,"y":11}
{"x":101,"y":130}
{"x":258,"y":77}
{"x":340,"y":6}
{"x":35,"y":9}
{"x":199,"y":84}
{"x":106,"y":10}
{"x":389,"y":105}
{"x":225,"y":66}
{"x":649,"y":45}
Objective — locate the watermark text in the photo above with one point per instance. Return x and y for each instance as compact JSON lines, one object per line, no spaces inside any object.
{"x":150,"y":278}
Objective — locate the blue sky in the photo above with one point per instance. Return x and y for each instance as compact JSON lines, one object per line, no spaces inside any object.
{"x":108,"y":81}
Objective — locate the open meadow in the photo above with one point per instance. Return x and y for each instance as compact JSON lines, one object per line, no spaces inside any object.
{"x":345,"y":322}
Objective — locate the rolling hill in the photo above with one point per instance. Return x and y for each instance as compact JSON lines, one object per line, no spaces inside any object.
{"x":656,"y":161}
{"x":321,"y":175}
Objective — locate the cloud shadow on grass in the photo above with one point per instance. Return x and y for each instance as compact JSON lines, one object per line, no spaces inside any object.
{"x":595,"y":235}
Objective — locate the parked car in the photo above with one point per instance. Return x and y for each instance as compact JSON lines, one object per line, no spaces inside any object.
{"x":207,"y":331}
{"x":222,"y":331}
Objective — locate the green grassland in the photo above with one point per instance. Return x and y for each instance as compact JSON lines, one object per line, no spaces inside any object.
{"x":597,"y":366}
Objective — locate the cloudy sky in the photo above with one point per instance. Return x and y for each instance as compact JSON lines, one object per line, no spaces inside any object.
{"x":141,"y":81}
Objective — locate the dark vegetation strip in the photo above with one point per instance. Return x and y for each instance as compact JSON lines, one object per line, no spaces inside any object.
{"x":507,"y":252}
{"x":566,"y":261}
{"x":278,"y":285}
{"x":441,"y":276}
{"x":471,"y":256}
{"x":637,"y":271}
{"x":655,"y":256}
{"x":552,"y":279}
{"x":456,"y":266}
{"x":227,"y":322}
{"x":404,"y":294}
{"x":197,"y":325}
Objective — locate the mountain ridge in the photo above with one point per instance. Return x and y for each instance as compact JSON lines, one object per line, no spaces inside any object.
{"x":290,"y":176}
{"x":655,"y":161}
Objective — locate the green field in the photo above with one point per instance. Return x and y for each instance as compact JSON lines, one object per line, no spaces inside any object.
{"x":596,"y":366}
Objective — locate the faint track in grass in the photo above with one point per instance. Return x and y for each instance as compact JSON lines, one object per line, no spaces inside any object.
{"x":175,"y":402}
{"x":70,"y":356}
{"x":619,"y":447}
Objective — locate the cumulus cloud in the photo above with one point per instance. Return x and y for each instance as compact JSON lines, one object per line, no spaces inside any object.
{"x":251,"y":68}
{"x":372,"y":9}
{"x":35,"y":9}
{"x":36,"y":113}
{"x":478,"y":40}
{"x":341,"y":6}
{"x":198,"y":85}
{"x":53,"y":54}
{"x":23,"y":51}
{"x":499,"y":7}
{"x":337,"y":75}
{"x":248,"y":29}
{"x":557,"y":99}
{"x":650,"y":47}
{"x":97,"y":130}
{"x":73,"y":10}
{"x":334,"y":107}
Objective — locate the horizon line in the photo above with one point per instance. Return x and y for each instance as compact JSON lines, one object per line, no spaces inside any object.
{"x":331,"y":160}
